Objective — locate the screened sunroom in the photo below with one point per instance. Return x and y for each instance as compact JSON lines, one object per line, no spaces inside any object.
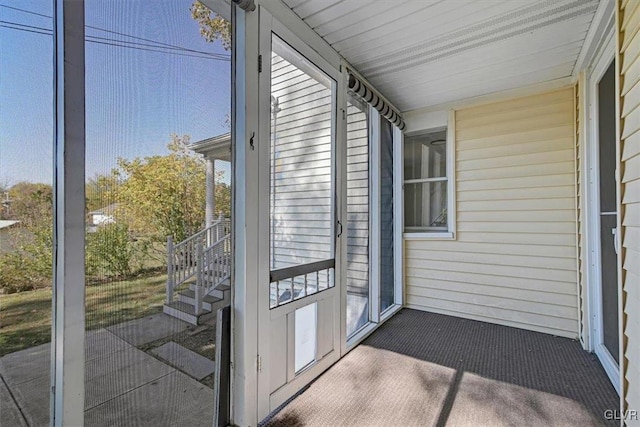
{"x":434,"y":220}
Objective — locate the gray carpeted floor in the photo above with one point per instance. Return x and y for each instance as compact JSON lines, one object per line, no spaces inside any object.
{"x":425,"y":369}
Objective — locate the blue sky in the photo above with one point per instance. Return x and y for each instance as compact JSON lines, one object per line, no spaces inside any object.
{"x":135,"y":99}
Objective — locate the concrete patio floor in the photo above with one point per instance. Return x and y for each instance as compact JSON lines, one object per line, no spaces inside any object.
{"x":123,"y":385}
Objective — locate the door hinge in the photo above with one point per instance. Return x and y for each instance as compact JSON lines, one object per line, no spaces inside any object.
{"x":259,"y":63}
{"x":259,"y":363}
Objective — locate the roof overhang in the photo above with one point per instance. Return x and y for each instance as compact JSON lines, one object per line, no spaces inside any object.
{"x":214,"y":148}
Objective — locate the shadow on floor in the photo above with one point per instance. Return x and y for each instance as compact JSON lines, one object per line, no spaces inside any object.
{"x":427,"y":369}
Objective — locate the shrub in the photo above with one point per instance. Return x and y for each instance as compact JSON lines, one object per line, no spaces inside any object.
{"x":110,"y":251}
{"x":29,"y":265}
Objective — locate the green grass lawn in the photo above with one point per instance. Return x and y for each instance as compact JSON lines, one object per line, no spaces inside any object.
{"x":25,"y":317}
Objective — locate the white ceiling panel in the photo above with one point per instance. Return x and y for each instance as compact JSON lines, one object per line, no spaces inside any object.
{"x":421,"y":53}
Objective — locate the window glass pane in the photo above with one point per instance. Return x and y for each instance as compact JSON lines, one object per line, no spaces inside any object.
{"x":387,"y":257}
{"x":425,"y":156}
{"x":301,"y":188}
{"x":305,"y":336}
{"x":26,"y":210}
{"x":425,"y":206}
{"x":301,"y":163}
{"x":358,"y":216}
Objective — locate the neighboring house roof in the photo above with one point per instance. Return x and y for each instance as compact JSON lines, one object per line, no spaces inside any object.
{"x":6,"y":223}
{"x":216,"y":147}
{"x":107,"y":210}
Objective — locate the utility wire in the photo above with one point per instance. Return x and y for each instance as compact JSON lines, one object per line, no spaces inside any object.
{"x":120,"y":43}
{"x":155,"y":41}
{"x":160,"y":44}
{"x":26,"y":30}
{"x":26,"y":11}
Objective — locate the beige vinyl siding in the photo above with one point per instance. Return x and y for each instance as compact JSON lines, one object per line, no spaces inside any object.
{"x":513,"y":261}
{"x":628,"y":21}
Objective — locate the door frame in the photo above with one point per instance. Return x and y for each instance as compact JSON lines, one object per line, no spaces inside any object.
{"x":593,"y":318}
{"x":268,"y":400}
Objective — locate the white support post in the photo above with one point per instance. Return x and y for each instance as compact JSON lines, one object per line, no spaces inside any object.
{"x":245,"y":140}
{"x":210,"y":208}
{"x":170,"y":266}
{"x":199,"y":278}
{"x":68,"y":320}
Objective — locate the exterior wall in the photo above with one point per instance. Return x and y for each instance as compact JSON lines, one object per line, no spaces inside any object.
{"x":628,"y":46}
{"x":357,"y":204}
{"x":514,"y":260}
{"x":301,"y":167}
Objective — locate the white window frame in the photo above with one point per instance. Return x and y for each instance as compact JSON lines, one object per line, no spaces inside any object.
{"x":450,"y":233}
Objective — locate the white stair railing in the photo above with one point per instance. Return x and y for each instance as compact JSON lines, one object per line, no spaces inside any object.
{"x":186,"y":259}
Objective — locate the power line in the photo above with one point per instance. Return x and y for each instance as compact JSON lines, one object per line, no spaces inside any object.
{"x":25,"y":11}
{"x":26,"y":30}
{"x":213,"y":55}
{"x":163,"y":45}
{"x":120,"y":43}
{"x":153,"y":41}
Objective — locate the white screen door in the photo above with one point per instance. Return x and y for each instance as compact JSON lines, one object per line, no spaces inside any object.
{"x":298,"y":306}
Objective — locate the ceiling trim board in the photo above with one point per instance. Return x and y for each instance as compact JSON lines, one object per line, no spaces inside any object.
{"x":601,"y":26}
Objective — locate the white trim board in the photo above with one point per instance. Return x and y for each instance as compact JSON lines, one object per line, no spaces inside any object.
{"x":590,"y":192}
{"x":601,"y":26}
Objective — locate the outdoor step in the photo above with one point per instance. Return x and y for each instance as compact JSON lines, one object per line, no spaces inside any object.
{"x":219,"y":291}
{"x":183,"y":311}
{"x":189,"y":296}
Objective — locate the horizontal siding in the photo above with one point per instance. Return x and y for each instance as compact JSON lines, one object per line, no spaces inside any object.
{"x":357,"y":202}
{"x":629,"y":60}
{"x":514,"y":259}
{"x":301,"y":167}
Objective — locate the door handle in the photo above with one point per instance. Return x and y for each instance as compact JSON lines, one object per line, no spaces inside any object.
{"x":339,"y":229}
{"x":614,"y":231}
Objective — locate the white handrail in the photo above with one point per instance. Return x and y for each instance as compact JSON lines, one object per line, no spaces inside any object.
{"x":184,"y":258}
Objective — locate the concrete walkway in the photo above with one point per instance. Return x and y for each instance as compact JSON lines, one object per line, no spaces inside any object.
{"x":123,"y":385}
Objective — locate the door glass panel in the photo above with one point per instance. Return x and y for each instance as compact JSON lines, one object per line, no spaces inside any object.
{"x":357,"y":216}
{"x":301,"y":188}
{"x":305,"y":336}
{"x":608,"y":215}
{"x":387,"y":276}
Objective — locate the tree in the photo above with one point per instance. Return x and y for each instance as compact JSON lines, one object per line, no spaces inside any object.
{"x":212,"y":26}
{"x":222,"y":196}
{"x":163,"y":195}
{"x":29,"y":264}
{"x":101,"y":191}
{"x":31,"y":204}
